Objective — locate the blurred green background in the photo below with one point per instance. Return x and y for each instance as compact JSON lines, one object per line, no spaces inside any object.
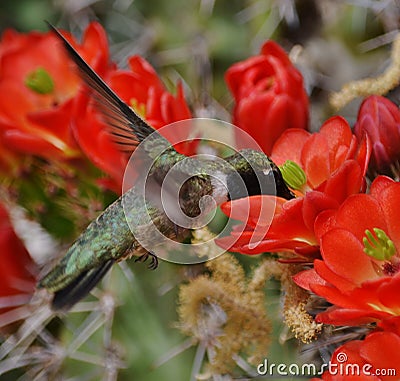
{"x":196,"y":41}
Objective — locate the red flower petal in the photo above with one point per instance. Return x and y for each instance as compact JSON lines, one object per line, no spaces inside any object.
{"x":348,"y":316}
{"x":146,"y":72}
{"x":314,"y":203}
{"x":271,"y":48}
{"x":315,"y":160}
{"x":94,"y":48}
{"x":360,"y":212}
{"x":391,"y":324}
{"x":254,"y":210}
{"x":333,"y":278}
{"x":34,"y":145}
{"x":382,"y":350}
{"x":129,"y":87}
{"x":289,"y":146}
{"x":272,"y":245}
{"x":306,"y":278}
{"x":389,"y":292}
{"x":324,"y":222}
{"x":289,"y":223}
{"x":343,"y":254}
{"x":18,"y":271}
{"x":379,"y":184}
{"x":345,"y":181}
{"x":337,"y":133}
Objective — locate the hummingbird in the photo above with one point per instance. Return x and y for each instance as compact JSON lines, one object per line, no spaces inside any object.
{"x":122,"y":231}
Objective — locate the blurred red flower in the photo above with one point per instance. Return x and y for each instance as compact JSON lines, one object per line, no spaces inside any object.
{"x":36,"y":75}
{"x":360,"y":268}
{"x":8,"y":159}
{"x":376,"y":358}
{"x":18,"y":270}
{"x":333,"y":165}
{"x":380,"y":119}
{"x":142,"y":89}
{"x":269,"y":96}
{"x":46,"y":115}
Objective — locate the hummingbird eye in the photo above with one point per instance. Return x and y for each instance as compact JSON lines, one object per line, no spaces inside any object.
{"x":252,"y":180}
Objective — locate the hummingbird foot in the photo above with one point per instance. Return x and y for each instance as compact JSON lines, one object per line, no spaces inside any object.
{"x":154,"y":260}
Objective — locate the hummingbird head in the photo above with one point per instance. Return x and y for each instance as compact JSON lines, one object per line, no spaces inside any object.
{"x":253,"y":173}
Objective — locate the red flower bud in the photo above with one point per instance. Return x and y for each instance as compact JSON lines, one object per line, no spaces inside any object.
{"x":379,"y":118}
{"x":269,"y":95}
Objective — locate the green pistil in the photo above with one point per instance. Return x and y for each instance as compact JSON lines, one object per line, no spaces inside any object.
{"x":40,"y":81}
{"x":139,"y":108}
{"x":378,"y":246}
{"x":293,"y":175}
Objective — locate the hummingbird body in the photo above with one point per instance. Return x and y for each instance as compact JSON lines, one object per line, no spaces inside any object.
{"x":107,"y":240}
{"x":126,"y":228}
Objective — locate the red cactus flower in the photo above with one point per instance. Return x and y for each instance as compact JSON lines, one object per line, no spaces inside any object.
{"x":36,"y":75}
{"x":360,"y":268}
{"x":380,"y":119}
{"x":18,"y":271}
{"x":376,"y":358}
{"x":269,"y":95}
{"x":326,"y":167}
{"x":143,"y":90}
{"x":321,"y":155}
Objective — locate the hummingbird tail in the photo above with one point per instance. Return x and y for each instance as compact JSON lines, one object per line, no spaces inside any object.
{"x":65,"y":298}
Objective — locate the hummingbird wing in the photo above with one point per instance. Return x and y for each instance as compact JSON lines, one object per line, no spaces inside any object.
{"x":65,"y":298}
{"x":127,"y":128}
